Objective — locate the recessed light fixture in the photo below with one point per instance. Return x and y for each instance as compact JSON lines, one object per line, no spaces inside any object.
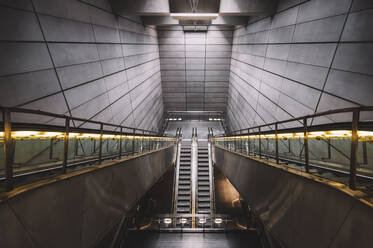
{"x":183,"y":221}
{"x":218,"y":221}
{"x":167,"y":221}
{"x":194,"y":16}
{"x":202,"y":221}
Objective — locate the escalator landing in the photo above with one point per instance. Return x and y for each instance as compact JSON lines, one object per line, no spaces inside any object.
{"x":154,"y":239}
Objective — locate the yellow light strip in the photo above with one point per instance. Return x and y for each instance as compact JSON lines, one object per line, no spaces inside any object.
{"x":319,"y":134}
{"x":61,"y":135}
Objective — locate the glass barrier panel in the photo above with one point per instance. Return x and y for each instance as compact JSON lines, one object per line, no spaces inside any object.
{"x":35,"y":153}
{"x":2,"y":164}
{"x":137,"y":145}
{"x":365,"y":159}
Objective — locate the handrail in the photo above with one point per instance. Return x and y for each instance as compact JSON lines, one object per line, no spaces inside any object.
{"x":329,"y":112}
{"x":65,"y":132}
{"x":44,"y":113}
{"x":305,"y":129}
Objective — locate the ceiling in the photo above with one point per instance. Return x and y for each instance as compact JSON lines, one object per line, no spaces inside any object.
{"x":195,"y":55}
{"x":157,"y":12}
{"x":203,"y":6}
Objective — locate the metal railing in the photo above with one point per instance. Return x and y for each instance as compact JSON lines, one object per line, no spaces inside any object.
{"x":305,"y":130}
{"x":74,"y":129}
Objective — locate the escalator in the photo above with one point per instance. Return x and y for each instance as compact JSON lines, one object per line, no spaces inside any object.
{"x":204,"y":191}
{"x":183,"y":201}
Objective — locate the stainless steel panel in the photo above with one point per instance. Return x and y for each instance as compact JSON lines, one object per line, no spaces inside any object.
{"x":298,"y":211}
{"x":78,"y":210}
{"x":13,"y":233}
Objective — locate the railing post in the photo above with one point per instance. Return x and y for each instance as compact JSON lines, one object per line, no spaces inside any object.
{"x":260,"y":144}
{"x":133,"y":142}
{"x":101,"y":143}
{"x":142,"y":141}
{"x":241,"y":144}
{"x":150,"y":143}
{"x":354,"y":148}
{"x":248,"y":142}
{"x":329,"y":149}
{"x":306,"y":150}
{"x":276,"y":145}
{"x":8,"y":150}
{"x":66,"y":145}
{"x":51,"y":148}
{"x":120,"y":143}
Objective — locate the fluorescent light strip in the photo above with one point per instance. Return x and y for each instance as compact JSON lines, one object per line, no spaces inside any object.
{"x":327,"y":134}
{"x":61,"y":135}
{"x":194,"y":16}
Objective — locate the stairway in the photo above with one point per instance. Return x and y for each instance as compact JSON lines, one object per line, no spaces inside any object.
{"x":203,"y":206}
{"x":183,"y":204}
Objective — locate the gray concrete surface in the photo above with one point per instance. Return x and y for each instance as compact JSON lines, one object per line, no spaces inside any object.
{"x":195,"y":68}
{"x":76,"y":57}
{"x":310,"y":56}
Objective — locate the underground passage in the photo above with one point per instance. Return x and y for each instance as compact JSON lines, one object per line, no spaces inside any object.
{"x":186,"y":123}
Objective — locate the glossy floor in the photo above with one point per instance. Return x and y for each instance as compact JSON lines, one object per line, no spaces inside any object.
{"x":147,"y":239}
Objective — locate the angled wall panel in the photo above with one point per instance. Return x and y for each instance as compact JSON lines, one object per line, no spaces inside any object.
{"x":311,"y":56}
{"x":76,"y":57}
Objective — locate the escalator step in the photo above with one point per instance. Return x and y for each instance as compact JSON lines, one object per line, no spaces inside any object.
{"x":183,"y":210}
{"x":183,"y":198}
{"x":203,"y":193}
{"x":184,"y":187}
{"x":203,"y":199}
{"x":183,"y":204}
{"x":203,"y":205}
{"x":200,"y":211}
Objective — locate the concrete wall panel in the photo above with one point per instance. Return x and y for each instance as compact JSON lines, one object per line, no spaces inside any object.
{"x":92,"y":60}
{"x":192,"y":63}
{"x":310,"y":56}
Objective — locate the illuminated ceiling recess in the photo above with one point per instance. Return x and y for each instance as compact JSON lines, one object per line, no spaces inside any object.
{"x":194,"y":16}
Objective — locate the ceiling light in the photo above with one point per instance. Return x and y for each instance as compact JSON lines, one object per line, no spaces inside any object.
{"x":194,"y":16}
{"x":218,"y":221}
{"x":167,"y":221}
{"x":202,"y":221}
{"x":183,"y":221}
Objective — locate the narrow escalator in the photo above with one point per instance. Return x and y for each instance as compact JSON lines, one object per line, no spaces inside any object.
{"x":204,"y":191}
{"x":183,"y":201}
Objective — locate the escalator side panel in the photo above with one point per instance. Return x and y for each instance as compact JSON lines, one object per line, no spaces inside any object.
{"x":284,"y":202}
